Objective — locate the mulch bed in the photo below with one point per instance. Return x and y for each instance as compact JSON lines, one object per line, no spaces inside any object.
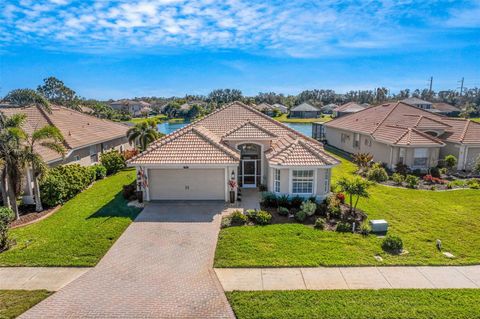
{"x":28,"y":215}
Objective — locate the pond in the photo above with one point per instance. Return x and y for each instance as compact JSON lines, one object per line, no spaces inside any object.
{"x":167,"y":128}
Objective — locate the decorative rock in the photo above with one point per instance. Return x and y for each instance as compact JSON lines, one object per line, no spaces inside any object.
{"x":379,"y":226}
{"x":378,"y":258}
{"x":448,"y":255}
{"x":135,"y":203}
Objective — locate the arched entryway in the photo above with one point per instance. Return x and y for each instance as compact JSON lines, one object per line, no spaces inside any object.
{"x":250,"y":170}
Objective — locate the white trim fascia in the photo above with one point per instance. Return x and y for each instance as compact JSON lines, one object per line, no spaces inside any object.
{"x":177,"y":166}
{"x":302,"y":167}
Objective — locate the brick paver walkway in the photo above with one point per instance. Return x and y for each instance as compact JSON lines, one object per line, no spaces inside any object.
{"x":161,"y":267}
{"x":321,"y":278}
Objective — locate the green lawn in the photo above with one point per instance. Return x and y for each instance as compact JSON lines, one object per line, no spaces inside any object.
{"x":15,"y":302}
{"x":418,"y":217}
{"x":80,"y":233}
{"x":285,"y":119}
{"x":357,"y":304}
{"x":476,"y":119}
{"x":159,"y":118}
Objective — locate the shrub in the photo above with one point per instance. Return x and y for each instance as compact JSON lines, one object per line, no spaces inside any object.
{"x":63,"y":182}
{"x":412,"y":181}
{"x":226,"y":222}
{"x":344,"y":227}
{"x":377,"y":173}
{"x":392,"y":244}
{"x":128,"y":154}
{"x":238,"y":218}
{"x":283,"y":211}
{"x":129,"y":191}
{"x":456,"y":183}
{"x":333,"y":207}
{"x":476,"y":167}
{"x":283,"y":201}
{"x":341,"y":197}
{"x":263,"y":218}
{"x":319,"y":223}
{"x":435,"y":172}
{"x":113,"y":161}
{"x":269,"y":199}
{"x":443,"y":170}
{"x":308,"y":207}
{"x":321,"y":209}
{"x":429,"y":179}
{"x":473,"y":183}
{"x":365,"y":228}
{"x":402,"y":169}
{"x":296,"y":202}
{"x":450,"y":161}
{"x":262,"y":188}
{"x":251,"y":214}
{"x":100,"y":171}
{"x":398,"y":178}
{"x":6,"y":216}
{"x":300,"y":216}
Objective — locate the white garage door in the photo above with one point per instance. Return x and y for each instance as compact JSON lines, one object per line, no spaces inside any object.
{"x":187,"y":184}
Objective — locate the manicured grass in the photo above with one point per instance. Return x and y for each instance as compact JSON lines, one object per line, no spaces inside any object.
{"x":160,"y":118}
{"x":418,"y":217}
{"x":80,"y":233}
{"x":476,"y":119}
{"x":357,"y":304}
{"x":15,"y":302}
{"x":284,"y":118}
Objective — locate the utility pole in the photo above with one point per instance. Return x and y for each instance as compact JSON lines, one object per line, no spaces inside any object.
{"x":431,"y":83}
{"x":461,"y":86}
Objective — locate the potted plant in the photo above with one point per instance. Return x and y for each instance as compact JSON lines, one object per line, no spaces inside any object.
{"x":233,"y":184}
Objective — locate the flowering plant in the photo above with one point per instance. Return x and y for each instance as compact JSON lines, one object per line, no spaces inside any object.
{"x":232,"y":183}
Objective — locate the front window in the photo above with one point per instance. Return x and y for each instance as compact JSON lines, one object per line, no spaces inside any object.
{"x":93,"y":154}
{"x":327,"y":181}
{"x":276,"y":181}
{"x":401,"y":155}
{"x":302,"y":182}
{"x":356,"y":140}
{"x":420,"y":157}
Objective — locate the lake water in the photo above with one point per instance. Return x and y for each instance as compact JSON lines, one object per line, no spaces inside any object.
{"x":167,"y":128}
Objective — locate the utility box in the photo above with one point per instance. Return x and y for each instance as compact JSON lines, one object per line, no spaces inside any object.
{"x":379,"y":226}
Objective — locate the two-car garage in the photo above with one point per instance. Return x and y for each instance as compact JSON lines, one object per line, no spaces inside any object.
{"x":187,"y":184}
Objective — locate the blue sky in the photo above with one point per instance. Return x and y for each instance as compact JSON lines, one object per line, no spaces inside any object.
{"x":113,"y":49}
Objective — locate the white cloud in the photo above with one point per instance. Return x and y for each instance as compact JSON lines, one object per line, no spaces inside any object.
{"x":299,"y":28}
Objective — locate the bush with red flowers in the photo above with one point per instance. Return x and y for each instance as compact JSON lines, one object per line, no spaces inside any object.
{"x":429,"y":179}
{"x":341,"y":197}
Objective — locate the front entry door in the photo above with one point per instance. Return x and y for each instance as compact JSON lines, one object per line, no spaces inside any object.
{"x":249,"y":169}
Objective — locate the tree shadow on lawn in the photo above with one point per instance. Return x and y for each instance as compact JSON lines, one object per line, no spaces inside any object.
{"x":117,"y":207}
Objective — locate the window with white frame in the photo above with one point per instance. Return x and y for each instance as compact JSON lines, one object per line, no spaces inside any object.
{"x":93,"y":154}
{"x":401,"y":155}
{"x":276,"y":180}
{"x":420,"y":157}
{"x":356,"y":140}
{"x":327,"y":181}
{"x":302,"y":181}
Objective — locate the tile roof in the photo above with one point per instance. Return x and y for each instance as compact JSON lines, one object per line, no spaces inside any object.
{"x":388,"y":121}
{"x":204,"y":141}
{"x":445,"y":107}
{"x":300,"y":153}
{"x":415,"y":101}
{"x":350,"y":107}
{"x":78,"y":129}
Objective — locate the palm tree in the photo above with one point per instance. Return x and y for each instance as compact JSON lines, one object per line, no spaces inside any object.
{"x":26,"y":97}
{"x":142,"y":134}
{"x":356,"y":187}
{"x":11,"y":137}
{"x":49,"y":137}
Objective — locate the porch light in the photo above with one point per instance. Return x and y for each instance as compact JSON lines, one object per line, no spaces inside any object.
{"x":233,"y":175}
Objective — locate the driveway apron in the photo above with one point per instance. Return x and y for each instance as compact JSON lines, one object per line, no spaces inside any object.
{"x":161,"y":267}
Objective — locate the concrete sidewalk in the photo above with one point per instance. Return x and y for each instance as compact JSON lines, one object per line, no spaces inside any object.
{"x":321,"y":278}
{"x":33,"y":278}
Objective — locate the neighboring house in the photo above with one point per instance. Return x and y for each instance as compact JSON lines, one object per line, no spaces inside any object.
{"x":86,"y":137}
{"x":400,"y":133}
{"x":134,"y":108}
{"x":282,"y":108}
{"x":348,"y":108}
{"x":446,"y":109}
{"x":421,"y":104}
{"x":305,"y":110}
{"x":265,"y":108}
{"x":328,"y":109}
{"x":236,"y":142}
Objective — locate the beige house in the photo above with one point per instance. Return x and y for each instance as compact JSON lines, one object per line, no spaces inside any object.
{"x":400,"y":133}
{"x":239,"y":143}
{"x":134,"y":108}
{"x":348,"y":108}
{"x":86,"y":137}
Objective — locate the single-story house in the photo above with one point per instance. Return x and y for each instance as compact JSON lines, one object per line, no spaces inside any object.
{"x":445,"y":109}
{"x":235,"y":143}
{"x":86,"y":137}
{"x":134,"y":108}
{"x":305,"y":110}
{"x":421,"y":104}
{"x":328,"y":109}
{"x":265,"y":108}
{"x":282,"y":108}
{"x":398,"y":132}
{"x":348,"y":108}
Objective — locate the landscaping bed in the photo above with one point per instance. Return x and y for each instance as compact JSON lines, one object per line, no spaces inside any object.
{"x":15,"y":302}
{"x":357,"y":304}
{"x":28,"y":215}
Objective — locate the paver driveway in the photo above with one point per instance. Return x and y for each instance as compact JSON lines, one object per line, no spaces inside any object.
{"x":161,"y":267}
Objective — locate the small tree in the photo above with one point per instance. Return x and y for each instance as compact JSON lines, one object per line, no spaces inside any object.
{"x":355,"y":189}
{"x":450,"y":162}
{"x":363,"y":160}
{"x":6,"y":216}
{"x":143,"y":134}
